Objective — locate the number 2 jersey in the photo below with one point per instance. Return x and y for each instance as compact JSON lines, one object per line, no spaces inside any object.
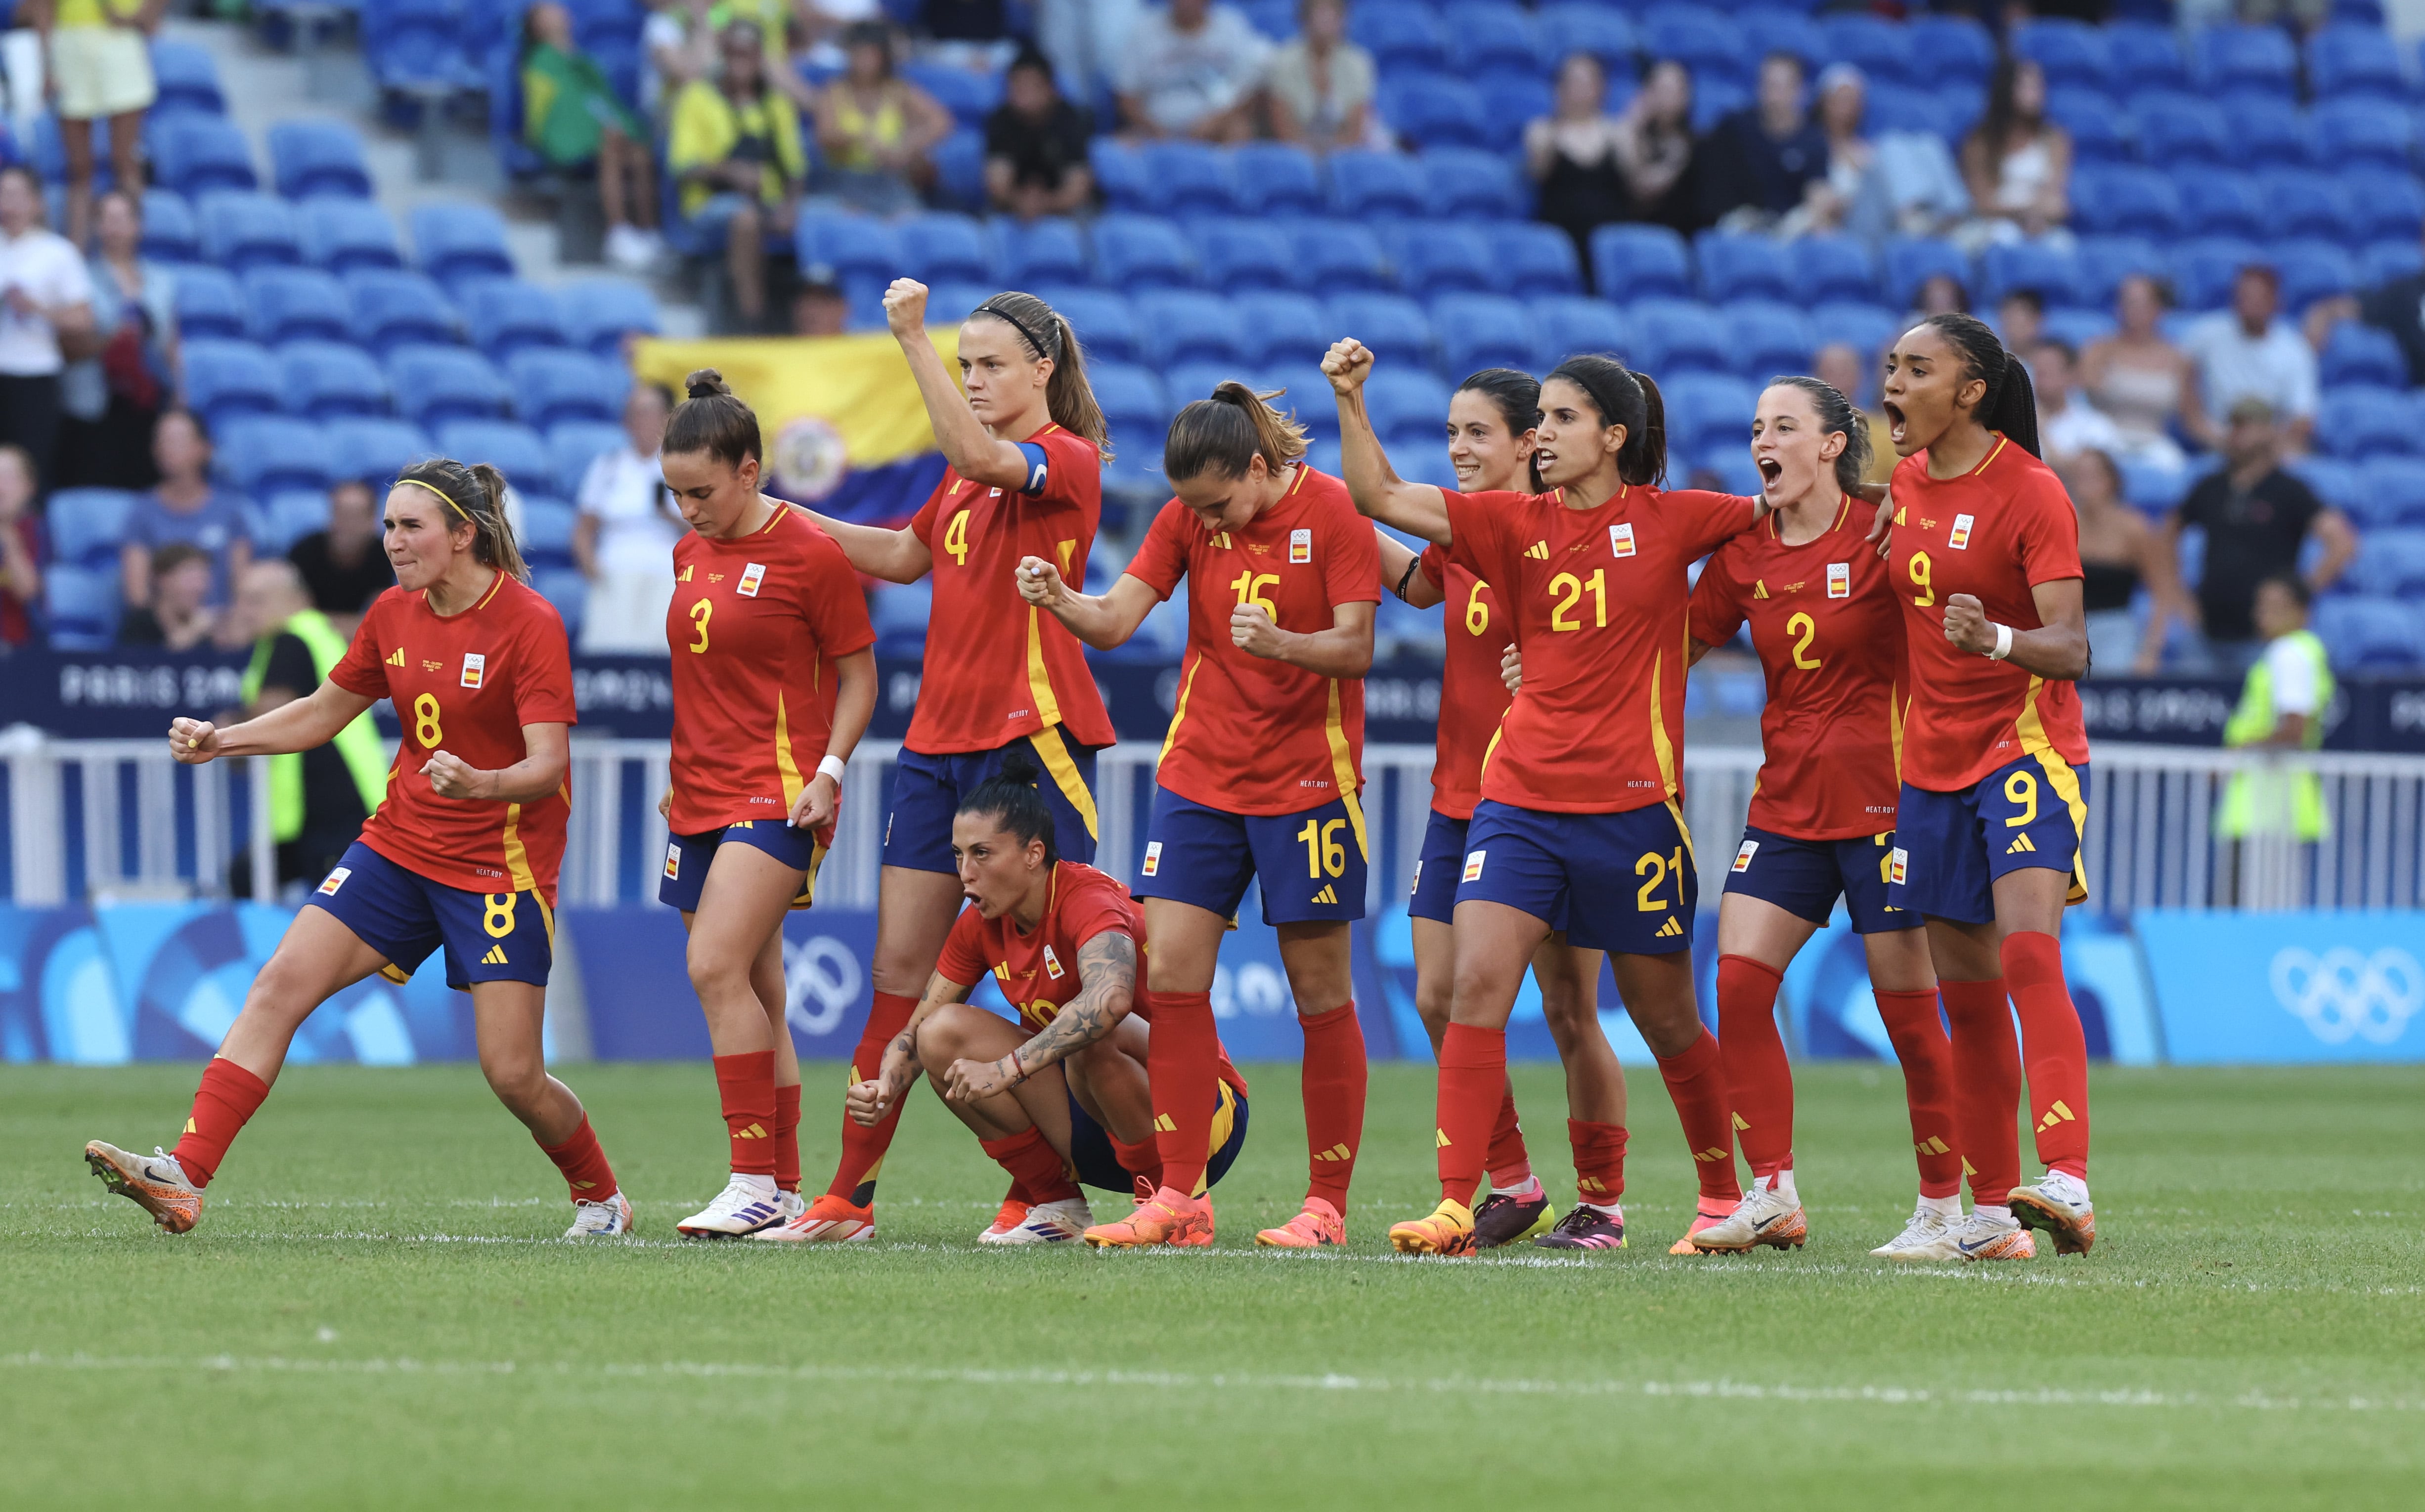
{"x":1248,"y":734}
{"x":1598,"y":603}
{"x":466,"y":683}
{"x":1829,"y":635}
{"x":756,"y":626}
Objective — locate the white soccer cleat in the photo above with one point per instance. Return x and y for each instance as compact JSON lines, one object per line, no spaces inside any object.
{"x":829,"y":1219}
{"x":1048,"y":1223}
{"x":743,"y":1207}
{"x":1764,"y":1217}
{"x":607,"y":1218}
{"x":2060,"y":1205}
{"x":1924,"y":1237}
{"x":790,"y":1205}
{"x":156,"y":1183}
{"x":1981,"y":1237}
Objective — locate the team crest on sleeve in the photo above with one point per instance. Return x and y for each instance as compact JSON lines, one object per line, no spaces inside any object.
{"x":1840,"y":580}
{"x":1960,"y":539}
{"x":1621,"y":539}
{"x":1300,"y":546}
{"x":1743,"y":857}
{"x":475,"y":666}
{"x":1052,"y":965}
{"x":751,"y":576}
{"x":336,"y":879}
{"x":1474,"y":864}
{"x":1152,"y":858}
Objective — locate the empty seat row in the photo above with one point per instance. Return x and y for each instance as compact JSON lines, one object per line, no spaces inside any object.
{"x":2167,"y":130}
{"x":381,"y":309}
{"x":426,"y":384}
{"x":241,"y":229}
{"x":1275,"y":178}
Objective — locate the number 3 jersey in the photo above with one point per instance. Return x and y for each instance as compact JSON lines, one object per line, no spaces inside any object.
{"x":1248,"y":734}
{"x":466,"y":683}
{"x":755,"y":627}
{"x":1829,"y":635}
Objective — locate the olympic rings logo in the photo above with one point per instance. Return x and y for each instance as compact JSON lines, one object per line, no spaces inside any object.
{"x":820,"y":979}
{"x":2342,"y":995}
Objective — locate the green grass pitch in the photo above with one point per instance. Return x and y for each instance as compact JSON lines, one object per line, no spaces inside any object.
{"x":375,"y":1312}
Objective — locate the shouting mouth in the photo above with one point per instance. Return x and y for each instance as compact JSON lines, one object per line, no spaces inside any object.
{"x":1769,"y":470}
{"x":1894,"y":419}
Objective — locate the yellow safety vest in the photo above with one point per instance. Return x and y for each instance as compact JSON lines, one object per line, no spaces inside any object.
{"x":2283,"y":800}
{"x":357,"y":742}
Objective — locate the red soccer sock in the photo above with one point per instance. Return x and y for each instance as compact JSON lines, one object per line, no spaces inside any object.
{"x":582,"y":1162}
{"x":1182,"y":1063}
{"x":1759,"y":1079}
{"x":746,"y":1083}
{"x":1332,"y":1077}
{"x":1472,"y":1079}
{"x":1599,"y":1160}
{"x":862,"y":1149}
{"x":1698,"y":1087}
{"x":1510,"y":1163}
{"x":1033,"y":1165}
{"x":1927,"y":1059}
{"x":1988,"y":1069}
{"x":787,"y":1138}
{"x":2056,"y":1048}
{"x":228,"y":1097}
{"x":1140,"y":1159}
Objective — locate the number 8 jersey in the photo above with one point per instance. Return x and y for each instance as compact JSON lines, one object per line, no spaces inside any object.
{"x":466,"y":683}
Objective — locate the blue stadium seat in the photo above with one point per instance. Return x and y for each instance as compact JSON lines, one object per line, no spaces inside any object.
{"x":1676,"y":336}
{"x":187,"y":78}
{"x":2368,"y":633}
{"x":2181,"y":130}
{"x":1580,"y":26}
{"x":2269,"y":133}
{"x":1370,"y":185}
{"x":2203,"y":270}
{"x":169,"y":231}
{"x":969,"y":95}
{"x":1181,"y":325}
{"x":1105,"y":325}
{"x":2358,"y":422}
{"x":1785,"y":30}
{"x":515,"y":449}
{"x":554,"y":384}
{"x":326,"y":378}
{"x":2219,"y":203}
{"x":573,"y":445}
{"x":1832,"y":267}
{"x":241,"y":230}
{"x":546,"y":529}
{"x":290,"y":515}
{"x":1951,"y":48}
{"x":959,"y":168}
{"x":2255,"y":58}
{"x":297,"y":303}
{"x":2359,"y":353}
{"x":937,"y":248}
{"x":1511,"y":100}
{"x":2354,"y":132}
{"x":1394,"y":327}
{"x":2070,"y":51}
{"x":309,"y":159}
{"x":2312,"y":270}
{"x":1401,"y":36}
{"x":1238,"y":255}
{"x":1533,"y":259}
{"x":261,"y":455}
{"x":2339,"y":484}
{"x":1142,"y":252}
{"x":2359,"y":12}
{"x":1483,"y":331}
{"x":1409,"y":407}
{"x":1738,"y":265}
{"x":2145,"y":56}
{"x":84,"y":605}
{"x":1766,"y":337}
{"x":1466,"y":184}
{"x":2382,"y":205}
{"x":2099,"y":130}
{"x":509,"y":315}
{"x":1434,"y":110}
{"x":567,"y":592}
{"x":436,"y":384}
{"x":1138,"y":412}
{"x":2309,"y":205}
{"x":344,"y":234}
{"x":1912,"y":260}
{"x":374,"y":448}
{"x":416,"y":49}
{"x":1040,"y":252}
{"x":1867,"y":330}
{"x":1705,"y":410}
{"x":1572,"y":324}
{"x":1701,"y":39}
{"x":2392,"y":564}
{"x":1188,"y":179}
{"x":1278,"y":178}
{"x":393,"y":307}
{"x":1876,"y":46}
{"x":1435,"y":258}
{"x":209,"y":305}
{"x":1631,"y":262}
{"x":2106,"y":261}
{"x":865,"y":253}
{"x":600,"y":312}
{"x":224,"y":379}
{"x":458,"y":239}
{"x":1191,"y":381}
{"x":2054,"y":272}
{"x":86,"y":525}
{"x":2347,"y":62}
{"x":2390,"y":491}
{"x":2380,"y":262}
{"x":1492,"y":34}
{"x":2124,"y":201}
{"x":1120,"y":174}
{"x":1276,"y":326}
{"x":193,"y":154}
{"x":1339,"y":254}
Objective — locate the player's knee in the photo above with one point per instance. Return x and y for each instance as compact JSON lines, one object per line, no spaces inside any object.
{"x":1568,"y":1010}
{"x":518,"y":1079}
{"x":716,"y":973}
{"x":941,"y":1039}
{"x":897,"y":978}
{"x":1434,"y":995}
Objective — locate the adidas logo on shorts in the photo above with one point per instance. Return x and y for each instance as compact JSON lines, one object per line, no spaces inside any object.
{"x":1673,"y":928}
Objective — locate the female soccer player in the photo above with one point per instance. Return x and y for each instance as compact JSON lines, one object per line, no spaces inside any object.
{"x":1984,"y":552}
{"x":774,"y":680}
{"x":460,"y":855}
{"x":1067,"y":1088}
{"x":1025,"y":446}
{"x":1830,"y":640}
{"x":1261,"y":771}
{"x":1490,"y":423}
{"x":1578,"y":806}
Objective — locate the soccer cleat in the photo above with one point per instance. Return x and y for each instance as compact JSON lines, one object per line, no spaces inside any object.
{"x":2058,"y":1204}
{"x":1702,"y":1218}
{"x":1172,"y":1217}
{"x":1318,"y":1225}
{"x":607,"y":1218}
{"x":1006,"y":1221}
{"x":1505,"y":1220}
{"x":829,"y":1219}
{"x":1983,"y":1239}
{"x":740,"y":1208}
{"x":156,"y":1185}
{"x":1449,"y":1231}
{"x":1585,"y":1227}
{"x":1762,"y":1218}
{"x":1045,"y":1223}
{"x":1922,"y":1238}
{"x":790,"y":1205}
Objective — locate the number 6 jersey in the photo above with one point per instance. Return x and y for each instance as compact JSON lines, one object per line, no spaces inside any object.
{"x":466,"y":683}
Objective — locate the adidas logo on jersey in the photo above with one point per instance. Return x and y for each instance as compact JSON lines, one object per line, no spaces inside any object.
{"x":1164,"y":1124}
{"x":683,"y":576}
{"x":1439,"y":1138}
{"x":1328,"y":895}
{"x":1538,"y":551}
{"x":496,"y":956}
{"x":1673,"y":928}
{"x":1760,"y":587}
{"x":1337,"y":1151}
{"x":2020,"y":846}
{"x":1739,"y":1124}
{"x":2057,"y":1114}
{"x":395,"y":658}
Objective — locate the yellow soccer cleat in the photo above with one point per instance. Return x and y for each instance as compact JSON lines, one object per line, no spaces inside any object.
{"x":1318,"y":1225}
{"x":1172,"y":1217}
{"x":1449,"y":1231}
{"x":157,"y":1185}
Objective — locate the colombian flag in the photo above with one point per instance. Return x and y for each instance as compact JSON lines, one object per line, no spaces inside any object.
{"x":845,"y":431}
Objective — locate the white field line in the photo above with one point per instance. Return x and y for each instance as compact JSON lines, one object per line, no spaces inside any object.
{"x":1885,"y":1397}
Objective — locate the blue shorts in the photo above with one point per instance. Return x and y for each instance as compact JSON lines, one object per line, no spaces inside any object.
{"x":1098,"y":1163}
{"x":1436,"y":870}
{"x":1949,"y":848}
{"x":404,"y":916}
{"x":927,"y":789}
{"x":689,"y":856}
{"x":1310,"y":863}
{"x":1622,"y":881}
{"x":1805,"y":877}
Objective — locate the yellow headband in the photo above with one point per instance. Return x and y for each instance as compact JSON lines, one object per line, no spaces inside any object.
{"x":440,"y":492}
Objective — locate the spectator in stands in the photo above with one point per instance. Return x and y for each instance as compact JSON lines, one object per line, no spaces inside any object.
{"x":1852,"y":161}
{"x":876,"y":128}
{"x":819,"y":306}
{"x":1653,"y":143}
{"x":2016,"y":163}
{"x":344,"y":566}
{"x":1320,"y":85}
{"x":319,"y":798}
{"x":2397,"y":307}
{"x":1855,"y":376}
{"x":21,"y":549}
{"x":1759,"y":164}
{"x":573,"y":119}
{"x":180,"y":616}
{"x":625,"y":536}
{"x":2248,"y":352}
{"x":1036,"y":145}
{"x":2257,"y":520}
{"x":1939,"y":294}
{"x":1572,"y":155}
{"x":2020,"y":320}
{"x":2068,"y":424}
{"x":2118,"y":552}
{"x":112,"y":401}
{"x":100,"y":69}
{"x":45,"y":319}
{"x":2140,"y":379}
{"x":735,"y":147}
{"x":186,"y":509}
{"x":1917,"y":191}
{"x":1192,"y":68}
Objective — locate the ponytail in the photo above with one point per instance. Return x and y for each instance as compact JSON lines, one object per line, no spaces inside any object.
{"x":713,"y":419}
{"x":1624,"y":397}
{"x":1013,"y":798}
{"x":1223,"y":434}
{"x":1836,"y":413}
{"x":474,"y":494}
{"x":1068,"y":398}
{"x":2011,"y":402}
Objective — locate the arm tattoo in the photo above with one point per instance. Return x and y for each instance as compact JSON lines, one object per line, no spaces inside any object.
{"x":1106,"y":990}
{"x":940,"y":990}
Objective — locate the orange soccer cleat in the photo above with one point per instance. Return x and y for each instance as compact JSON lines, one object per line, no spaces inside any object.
{"x":2060,"y":1205}
{"x":1449,"y":1231}
{"x":1318,"y":1225}
{"x":1702,"y":1218}
{"x":1172,"y":1217}
{"x":829,"y":1219}
{"x":157,"y":1185}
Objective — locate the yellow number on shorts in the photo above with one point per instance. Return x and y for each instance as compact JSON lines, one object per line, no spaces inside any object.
{"x":1477,"y":613}
{"x":699,"y":614}
{"x":956,"y":537}
{"x":1573,"y":588}
{"x":1250,"y":589}
{"x":498,"y":917}
{"x":425,"y":728}
{"x":1806,"y":628}
{"x":1653,"y":865}
{"x":1323,"y":850}
{"x":1886,"y":855}
{"x":2022,"y":788}
{"x":1919,"y":570}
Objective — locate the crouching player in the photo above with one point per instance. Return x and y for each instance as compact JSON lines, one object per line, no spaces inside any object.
{"x":1066,"y":1089}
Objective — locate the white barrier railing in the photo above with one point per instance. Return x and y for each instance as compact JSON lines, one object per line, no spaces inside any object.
{"x":144,"y":826}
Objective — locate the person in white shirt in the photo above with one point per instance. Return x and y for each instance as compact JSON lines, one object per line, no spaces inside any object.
{"x":1195,"y":70}
{"x":45,"y":320}
{"x":2068,"y":424}
{"x":625,"y":536}
{"x":2250,"y":352}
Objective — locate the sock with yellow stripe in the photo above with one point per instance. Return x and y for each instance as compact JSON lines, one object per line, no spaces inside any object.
{"x":787,"y":1138}
{"x":1698,"y":1087}
{"x":2054,"y":1049}
{"x":1332,"y":1077}
{"x":863,"y":1148}
{"x":1472,"y":1079}
{"x":1987,"y":1075}
{"x":229,"y":1096}
{"x":1600,"y":1161}
{"x":746,"y":1083}
{"x":1927,"y":1058}
{"x":1759,"y":1079}
{"x":583,"y":1161}
{"x":1183,"y":1063}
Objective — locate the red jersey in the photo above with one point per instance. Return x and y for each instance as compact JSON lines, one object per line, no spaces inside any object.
{"x":1829,"y":635}
{"x":996,"y":667}
{"x":1250,"y":734}
{"x":756,"y":626}
{"x":1473,"y":699}
{"x":1996,"y":532}
{"x":1599,"y":601}
{"x":466,"y":683}
{"x":1038,"y":971}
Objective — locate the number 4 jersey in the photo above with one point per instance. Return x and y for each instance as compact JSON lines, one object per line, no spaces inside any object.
{"x":466,"y":683}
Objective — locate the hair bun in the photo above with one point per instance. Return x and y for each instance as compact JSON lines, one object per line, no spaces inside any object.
{"x":1020,"y":764}
{"x":706,"y":383}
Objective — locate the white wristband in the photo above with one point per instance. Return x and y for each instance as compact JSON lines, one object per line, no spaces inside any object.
{"x":833,"y":766}
{"x":2003,"y":643}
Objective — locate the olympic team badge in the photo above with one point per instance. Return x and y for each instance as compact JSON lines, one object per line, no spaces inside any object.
{"x":1300,"y":547}
{"x":475,"y":667}
{"x":808,"y":458}
{"x":751,"y":576}
{"x":1743,"y":857}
